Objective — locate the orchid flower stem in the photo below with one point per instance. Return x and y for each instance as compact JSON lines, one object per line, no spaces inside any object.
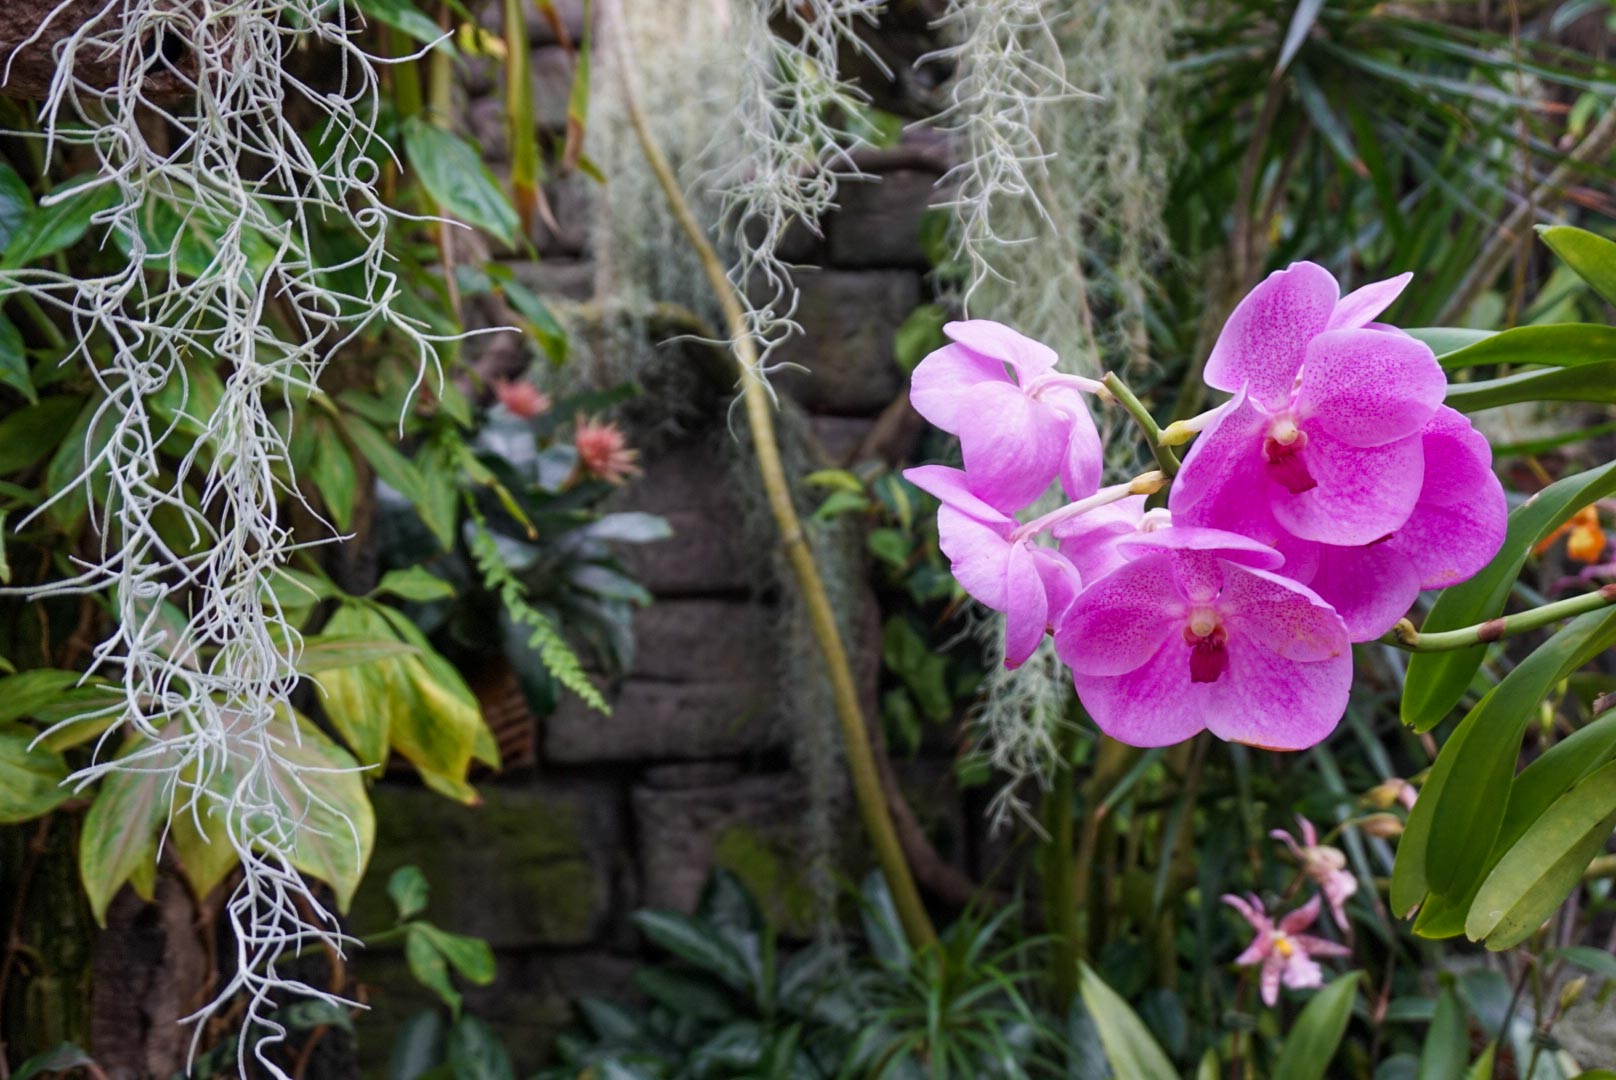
{"x":1144,"y":484}
{"x":1165,"y":458}
{"x":1404,"y":636}
{"x":917,"y":925}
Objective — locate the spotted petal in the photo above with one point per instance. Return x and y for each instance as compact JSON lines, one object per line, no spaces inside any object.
{"x":1118,"y":623}
{"x":1361,"y":306}
{"x":1368,"y":388}
{"x":1263,"y":344}
{"x":1360,"y":494}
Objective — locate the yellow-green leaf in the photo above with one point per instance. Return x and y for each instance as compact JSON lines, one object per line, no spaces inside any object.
{"x":30,"y":776}
{"x":120,"y":832}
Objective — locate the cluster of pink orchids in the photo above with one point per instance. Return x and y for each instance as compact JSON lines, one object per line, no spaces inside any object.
{"x":1309,"y":513}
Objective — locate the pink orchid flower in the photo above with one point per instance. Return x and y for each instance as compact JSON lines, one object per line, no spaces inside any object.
{"x":998,"y":564}
{"x":1020,"y":422}
{"x":1196,"y":632}
{"x":1326,"y":865}
{"x":1091,"y":540}
{"x":1285,"y":953}
{"x":1456,"y":528}
{"x":1322,"y":440}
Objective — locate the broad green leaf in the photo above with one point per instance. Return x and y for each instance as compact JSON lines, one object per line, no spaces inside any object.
{"x":14,"y":360}
{"x":414,"y":583}
{"x":471,"y":957}
{"x":1560,"y":345}
{"x":697,"y":944}
{"x":21,"y":695}
{"x":699,"y":999}
{"x":331,"y":468}
{"x":16,"y":203}
{"x":630,"y":527}
{"x":30,"y":776}
{"x":362,"y":701}
{"x":68,"y":468}
{"x":200,"y":841}
{"x":119,"y":832}
{"x":1132,"y":1051}
{"x":1536,"y":875}
{"x":331,"y":652}
{"x":64,"y":1058}
{"x":337,"y":829}
{"x":1313,"y":1039}
{"x":408,"y":890}
{"x":1436,"y":681}
{"x":429,"y":967}
{"x":1447,"y":1044}
{"x":454,"y":175}
{"x":1591,"y":256}
{"x":920,"y":334}
{"x":1460,"y":810}
{"x":1590,"y":959}
{"x":418,"y":1047}
{"x":28,"y":435}
{"x":1594,"y":381}
{"x":56,"y":226}
{"x":402,"y":475}
{"x":1483,"y":1067}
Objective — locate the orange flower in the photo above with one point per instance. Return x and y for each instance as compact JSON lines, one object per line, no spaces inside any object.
{"x":1585,"y":540}
{"x":603,"y":452}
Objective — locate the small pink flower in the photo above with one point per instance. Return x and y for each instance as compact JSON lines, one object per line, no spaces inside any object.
{"x":1326,"y":865}
{"x":603,"y":452}
{"x":1091,"y":541}
{"x":1020,"y":422}
{"x":521,"y":399}
{"x":1197,"y":632}
{"x":1285,"y":953}
{"x":1322,"y":440}
{"x":1007,"y":572}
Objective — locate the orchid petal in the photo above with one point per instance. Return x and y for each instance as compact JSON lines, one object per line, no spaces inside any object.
{"x":1013,"y":446}
{"x":1026,"y":606}
{"x":1263,"y":344}
{"x":1370,"y":587}
{"x":1287,"y":619}
{"x":1361,"y":493}
{"x":952,"y":487}
{"x":1267,"y":701}
{"x":1120,"y":621}
{"x":1368,"y":388}
{"x":1360,"y":306}
{"x":944,"y":385}
{"x":979,"y":554}
{"x":994,"y":340}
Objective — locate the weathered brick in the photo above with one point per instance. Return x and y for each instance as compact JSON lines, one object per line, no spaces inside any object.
{"x":690,"y":486}
{"x":848,"y":318}
{"x":878,"y":221}
{"x":653,"y":721}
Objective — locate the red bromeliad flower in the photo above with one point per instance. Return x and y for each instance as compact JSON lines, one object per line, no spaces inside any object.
{"x":521,"y":399}
{"x":603,"y":451}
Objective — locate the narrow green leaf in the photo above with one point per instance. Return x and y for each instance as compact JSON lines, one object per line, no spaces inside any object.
{"x":331,"y":652}
{"x":1591,"y":256}
{"x":414,"y":583}
{"x":1551,"y":345}
{"x":405,"y":17}
{"x":1301,"y":24}
{"x":475,"y":1052}
{"x":696,"y":944}
{"x":1594,"y":382}
{"x":1536,"y":875}
{"x":1446,"y":1052}
{"x":1132,"y":1051}
{"x":16,"y":203}
{"x":331,"y":467}
{"x":1590,"y":959}
{"x":541,"y":322}
{"x":28,"y":435}
{"x":14,"y":361}
{"x":1314,"y":1038}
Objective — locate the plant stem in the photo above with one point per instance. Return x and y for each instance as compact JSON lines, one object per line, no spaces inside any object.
{"x":1404,"y":636}
{"x":1060,"y":870}
{"x":1165,"y":458}
{"x":883,"y":837}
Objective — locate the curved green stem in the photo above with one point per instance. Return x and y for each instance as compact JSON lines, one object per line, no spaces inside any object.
{"x":1165,"y":458}
{"x":872,"y":805}
{"x":1404,"y":636}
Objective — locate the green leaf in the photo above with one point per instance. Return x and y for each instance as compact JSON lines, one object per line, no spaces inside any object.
{"x":1314,"y":1038}
{"x":30,"y":776}
{"x":1444,"y":340}
{"x":1536,"y":875}
{"x":14,"y":360}
{"x":1590,"y":959}
{"x":1595,"y":382}
{"x":120,"y":832}
{"x":401,"y":474}
{"x":696,"y":944}
{"x":454,"y":175}
{"x":1447,"y":1045}
{"x":1560,"y":345}
{"x":414,"y":583}
{"x":920,"y":334}
{"x":331,"y":467}
{"x":57,"y":225}
{"x":541,"y":323}
{"x":683,"y":995}
{"x":1591,"y":256}
{"x":332,"y":652}
{"x":23,"y":694}
{"x":406,"y":18}
{"x":408,"y":890}
{"x":890,"y":546}
{"x":1301,"y":24}
{"x":16,"y":203}
{"x":470,"y":957}
{"x":630,"y":527}
{"x":1436,"y":681}
{"x":62,"y":1059}
{"x":1459,"y":812}
{"x":362,"y":701}
{"x":428,"y":966}
{"x":200,"y":841}
{"x":1128,"y":1043}
{"x":327,"y":796}
{"x":475,"y":1052}
{"x":28,"y":435}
